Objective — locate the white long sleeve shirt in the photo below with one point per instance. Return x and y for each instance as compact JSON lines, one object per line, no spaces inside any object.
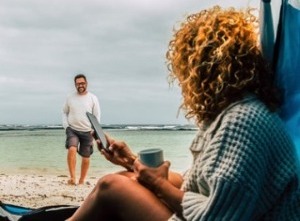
{"x":75,"y":108}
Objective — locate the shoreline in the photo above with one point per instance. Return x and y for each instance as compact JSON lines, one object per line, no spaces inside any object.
{"x":35,"y":191}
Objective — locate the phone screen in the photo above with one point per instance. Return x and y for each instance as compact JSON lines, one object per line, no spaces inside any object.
{"x":98,"y":130}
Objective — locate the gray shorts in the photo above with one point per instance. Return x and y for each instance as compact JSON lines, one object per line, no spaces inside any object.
{"x":82,"y":140}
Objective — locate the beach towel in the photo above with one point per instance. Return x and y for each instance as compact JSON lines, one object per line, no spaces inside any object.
{"x":281,"y":46}
{"x":10,"y":212}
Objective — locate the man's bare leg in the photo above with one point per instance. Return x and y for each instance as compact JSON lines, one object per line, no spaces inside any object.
{"x":85,"y":163}
{"x":72,"y":151}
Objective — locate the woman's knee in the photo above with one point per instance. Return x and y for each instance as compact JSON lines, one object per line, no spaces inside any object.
{"x":111,"y":182}
{"x":105,"y":182}
{"x":110,"y":190}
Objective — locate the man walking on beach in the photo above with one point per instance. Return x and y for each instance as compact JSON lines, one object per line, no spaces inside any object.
{"x":78,"y":127}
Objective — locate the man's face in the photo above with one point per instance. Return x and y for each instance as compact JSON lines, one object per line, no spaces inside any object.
{"x":81,"y":85}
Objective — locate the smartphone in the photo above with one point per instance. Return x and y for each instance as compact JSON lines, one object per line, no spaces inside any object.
{"x":98,"y":130}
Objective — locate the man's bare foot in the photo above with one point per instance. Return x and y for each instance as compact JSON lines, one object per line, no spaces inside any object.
{"x":82,"y":182}
{"x":71,"y":182}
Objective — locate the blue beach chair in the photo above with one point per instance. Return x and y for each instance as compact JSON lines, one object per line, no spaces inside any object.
{"x":281,"y":46}
{"x":10,"y":212}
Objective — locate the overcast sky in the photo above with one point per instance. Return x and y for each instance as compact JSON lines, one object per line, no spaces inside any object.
{"x":120,"y":45}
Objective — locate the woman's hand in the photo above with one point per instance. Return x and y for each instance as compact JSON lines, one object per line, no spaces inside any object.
{"x":150,"y":177}
{"x":119,"y":153}
{"x":162,"y":182}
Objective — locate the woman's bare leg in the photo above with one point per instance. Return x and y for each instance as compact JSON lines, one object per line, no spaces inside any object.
{"x":117,"y":197}
{"x":174,"y":177}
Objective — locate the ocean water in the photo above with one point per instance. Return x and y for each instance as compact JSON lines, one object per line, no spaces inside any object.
{"x":40,"y":150}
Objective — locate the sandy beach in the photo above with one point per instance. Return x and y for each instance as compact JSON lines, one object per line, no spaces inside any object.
{"x":36,"y":191}
{"x":35,"y":175}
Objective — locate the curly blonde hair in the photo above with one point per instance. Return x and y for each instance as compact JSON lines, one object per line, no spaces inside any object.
{"x":216,"y":59}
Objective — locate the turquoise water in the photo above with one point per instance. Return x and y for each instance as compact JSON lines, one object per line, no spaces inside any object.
{"x":43,"y":152}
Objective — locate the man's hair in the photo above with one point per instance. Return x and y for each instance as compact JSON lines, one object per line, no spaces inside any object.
{"x":216,"y":59}
{"x":79,"y":76}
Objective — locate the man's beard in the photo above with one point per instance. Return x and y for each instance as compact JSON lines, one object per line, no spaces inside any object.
{"x":81,"y":90}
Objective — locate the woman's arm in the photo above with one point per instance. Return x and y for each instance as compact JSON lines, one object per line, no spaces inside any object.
{"x":122,"y":155}
{"x":163,"y":183}
{"x":119,"y":153}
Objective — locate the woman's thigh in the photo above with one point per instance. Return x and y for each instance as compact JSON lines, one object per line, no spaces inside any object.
{"x":132,"y":201}
{"x":117,"y":197}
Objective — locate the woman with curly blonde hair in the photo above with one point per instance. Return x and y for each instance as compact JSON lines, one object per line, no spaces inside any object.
{"x":244,"y":165}
{"x":216,"y":58}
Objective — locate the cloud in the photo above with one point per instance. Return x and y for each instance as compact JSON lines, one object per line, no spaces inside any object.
{"x":120,"y":46}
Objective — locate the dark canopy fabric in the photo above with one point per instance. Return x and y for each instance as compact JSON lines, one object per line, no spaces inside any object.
{"x":10,"y":212}
{"x":282,"y":48}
